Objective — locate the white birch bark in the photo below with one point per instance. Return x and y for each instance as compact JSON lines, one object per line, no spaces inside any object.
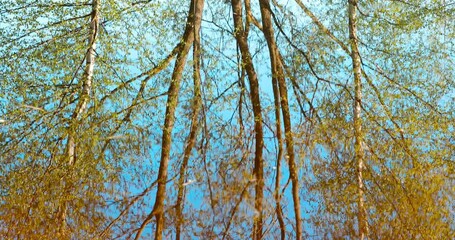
{"x":87,"y":79}
{"x":359,"y":152}
{"x":83,"y":101}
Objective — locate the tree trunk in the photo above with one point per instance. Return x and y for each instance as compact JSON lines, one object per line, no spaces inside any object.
{"x":193,"y":22}
{"x":359,"y":154}
{"x":258,"y":170}
{"x":278,"y":73}
{"x":278,"y":208}
{"x":87,"y":79}
{"x":191,"y":141}
{"x":83,"y":99}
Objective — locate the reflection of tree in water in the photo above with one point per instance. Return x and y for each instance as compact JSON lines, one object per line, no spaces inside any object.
{"x":240,"y":119}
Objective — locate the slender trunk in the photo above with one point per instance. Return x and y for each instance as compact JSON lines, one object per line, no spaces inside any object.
{"x":277,"y":108}
{"x":83,"y":99}
{"x":359,"y":154}
{"x":278,"y":208}
{"x":86,"y":79}
{"x":191,"y":141}
{"x":193,"y":21}
{"x":278,"y":74}
{"x":258,"y":170}
{"x":248,"y":17}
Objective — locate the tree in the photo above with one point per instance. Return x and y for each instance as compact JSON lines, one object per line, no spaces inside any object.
{"x":258,"y":172}
{"x":192,"y":27}
{"x":132,"y":119}
{"x":278,"y":74}
{"x":359,"y":154}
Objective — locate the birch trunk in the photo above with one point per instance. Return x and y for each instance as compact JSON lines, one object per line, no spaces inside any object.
{"x":87,"y":79}
{"x":83,"y":98}
{"x":359,"y":154}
